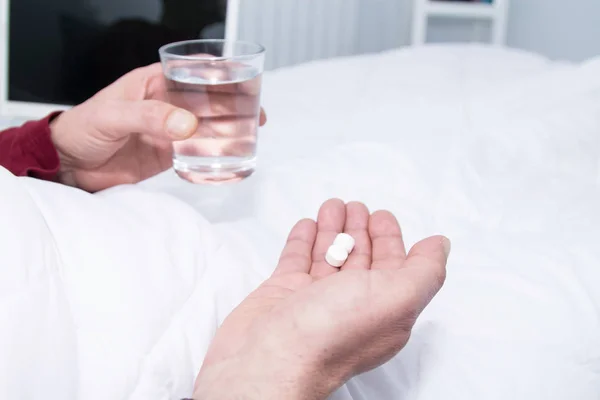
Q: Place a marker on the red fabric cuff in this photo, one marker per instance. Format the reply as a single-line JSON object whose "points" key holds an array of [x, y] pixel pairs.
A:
{"points": [[28, 150]]}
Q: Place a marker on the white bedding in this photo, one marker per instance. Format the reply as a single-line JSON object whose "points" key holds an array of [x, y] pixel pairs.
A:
{"points": [[117, 295]]}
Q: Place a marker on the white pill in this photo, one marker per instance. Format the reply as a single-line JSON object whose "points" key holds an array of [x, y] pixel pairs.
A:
{"points": [[336, 256], [346, 241]]}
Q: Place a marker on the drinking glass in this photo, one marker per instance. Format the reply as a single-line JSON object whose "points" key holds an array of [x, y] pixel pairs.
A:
{"points": [[220, 82]]}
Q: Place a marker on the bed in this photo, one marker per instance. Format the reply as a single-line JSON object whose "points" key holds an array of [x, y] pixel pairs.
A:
{"points": [[117, 295]]}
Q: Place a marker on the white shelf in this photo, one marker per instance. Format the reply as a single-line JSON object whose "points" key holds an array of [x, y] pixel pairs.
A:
{"points": [[496, 13], [460, 10]]}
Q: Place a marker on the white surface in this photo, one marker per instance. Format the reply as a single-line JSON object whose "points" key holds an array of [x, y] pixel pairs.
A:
{"points": [[116, 296], [496, 12]]}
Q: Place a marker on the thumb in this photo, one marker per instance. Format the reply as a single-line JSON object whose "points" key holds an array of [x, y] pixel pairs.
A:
{"points": [[425, 268], [150, 117]]}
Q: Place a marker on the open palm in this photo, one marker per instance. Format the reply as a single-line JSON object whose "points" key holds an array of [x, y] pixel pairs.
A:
{"points": [[351, 319]]}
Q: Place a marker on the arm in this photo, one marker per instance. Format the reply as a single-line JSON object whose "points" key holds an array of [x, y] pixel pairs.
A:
{"points": [[311, 327], [28, 150], [122, 135]]}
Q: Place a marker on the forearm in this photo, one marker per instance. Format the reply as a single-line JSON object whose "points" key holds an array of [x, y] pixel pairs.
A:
{"points": [[28, 150], [243, 386], [260, 381]]}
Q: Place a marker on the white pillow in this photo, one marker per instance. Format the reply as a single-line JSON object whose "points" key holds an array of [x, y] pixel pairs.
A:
{"points": [[107, 296]]}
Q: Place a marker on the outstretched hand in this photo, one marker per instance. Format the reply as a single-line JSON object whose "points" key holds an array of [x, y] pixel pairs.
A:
{"points": [[311, 326]]}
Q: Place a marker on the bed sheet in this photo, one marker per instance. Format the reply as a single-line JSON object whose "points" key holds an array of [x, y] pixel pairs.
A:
{"points": [[497, 149]]}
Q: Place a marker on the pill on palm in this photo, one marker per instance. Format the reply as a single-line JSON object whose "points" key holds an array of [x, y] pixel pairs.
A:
{"points": [[346, 241], [336, 256]]}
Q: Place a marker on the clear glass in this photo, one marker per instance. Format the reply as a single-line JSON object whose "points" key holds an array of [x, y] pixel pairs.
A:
{"points": [[220, 82]]}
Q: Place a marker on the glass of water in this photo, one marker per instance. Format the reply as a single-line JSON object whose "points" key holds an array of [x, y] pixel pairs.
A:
{"points": [[220, 82]]}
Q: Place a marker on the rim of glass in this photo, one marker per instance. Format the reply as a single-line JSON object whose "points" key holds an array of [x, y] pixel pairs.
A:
{"points": [[164, 50]]}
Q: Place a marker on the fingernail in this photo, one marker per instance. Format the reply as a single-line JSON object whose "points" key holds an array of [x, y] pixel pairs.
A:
{"points": [[181, 124], [447, 246]]}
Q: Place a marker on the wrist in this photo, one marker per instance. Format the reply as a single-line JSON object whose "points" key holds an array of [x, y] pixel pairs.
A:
{"points": [[229, 383], [57, 135], [261, 379]]}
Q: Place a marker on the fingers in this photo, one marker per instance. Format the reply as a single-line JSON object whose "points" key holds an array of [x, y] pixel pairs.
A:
{"points": [[205, 103], [330, 222], [425, 269], [263, 117], [165, 121], [139, 84], [388, 246], [357, 225], [118, 119], [226, 127], [143, 105], [145, 77], [297, 253]]}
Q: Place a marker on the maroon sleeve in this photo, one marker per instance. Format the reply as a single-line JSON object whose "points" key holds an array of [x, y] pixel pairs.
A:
{"points": [[28, 150]]}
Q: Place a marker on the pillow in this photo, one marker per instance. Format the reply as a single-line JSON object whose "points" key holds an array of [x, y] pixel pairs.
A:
{"points": [[99, 294]]}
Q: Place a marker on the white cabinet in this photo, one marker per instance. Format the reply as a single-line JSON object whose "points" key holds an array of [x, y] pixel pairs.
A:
{"points": [[495, 12]]}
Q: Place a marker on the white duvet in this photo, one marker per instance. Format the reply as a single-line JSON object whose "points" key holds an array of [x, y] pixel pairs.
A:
{"points": [[117, 295]]}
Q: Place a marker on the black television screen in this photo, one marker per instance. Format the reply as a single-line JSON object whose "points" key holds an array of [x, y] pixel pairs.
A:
{"points": [[64, 51]]}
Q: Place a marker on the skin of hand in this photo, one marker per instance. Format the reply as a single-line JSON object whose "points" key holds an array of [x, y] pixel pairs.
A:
{"points": [[124, 133], [310, 327]]}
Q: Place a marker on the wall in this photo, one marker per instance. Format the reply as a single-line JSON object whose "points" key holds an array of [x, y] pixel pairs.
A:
{"points": [[383, 24], [566, 29], [557, 28], [563, 29], [296, 31]]}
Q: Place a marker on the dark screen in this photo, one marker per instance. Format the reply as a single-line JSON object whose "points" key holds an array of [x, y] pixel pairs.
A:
{"points": [[64, 51]]}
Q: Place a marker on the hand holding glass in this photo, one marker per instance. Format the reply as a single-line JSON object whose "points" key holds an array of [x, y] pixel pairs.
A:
{"points": [[220, 82]]}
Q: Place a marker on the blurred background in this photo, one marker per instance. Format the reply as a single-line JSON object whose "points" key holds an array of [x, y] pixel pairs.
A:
{"points": [[63, 51]]}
